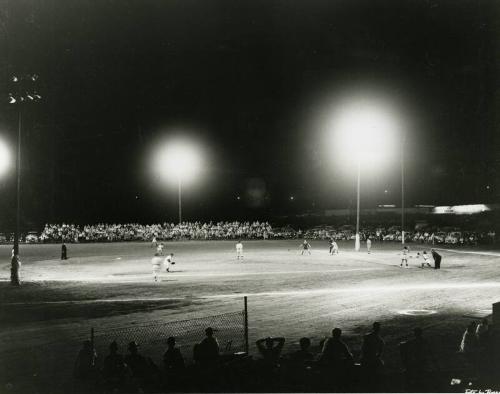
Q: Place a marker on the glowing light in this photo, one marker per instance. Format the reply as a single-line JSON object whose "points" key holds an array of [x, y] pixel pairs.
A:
{"points": [[178, 160], [417, 312], [4, 158], [461, 209], [364, 129]]}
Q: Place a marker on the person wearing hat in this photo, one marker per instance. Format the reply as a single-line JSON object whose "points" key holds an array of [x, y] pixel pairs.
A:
{"points": [[64, 252], [138, 365], [209, 347], [437, 259], [172, 358], [114, 369], [174, 365], [85, 364]]}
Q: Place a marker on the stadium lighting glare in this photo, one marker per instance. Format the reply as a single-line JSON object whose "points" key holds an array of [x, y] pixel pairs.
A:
{"points": [[364, 129], [178, 161], [4, 157]]}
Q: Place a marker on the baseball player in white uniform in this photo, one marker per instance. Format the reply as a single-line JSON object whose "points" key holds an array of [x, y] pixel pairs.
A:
{"points": [[156, 261], [335, 248], [404, 256], [239, 250], [427, 260], [168, 262]]}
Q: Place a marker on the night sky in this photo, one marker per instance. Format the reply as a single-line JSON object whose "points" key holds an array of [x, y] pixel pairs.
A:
{"points": [[247, 80]]}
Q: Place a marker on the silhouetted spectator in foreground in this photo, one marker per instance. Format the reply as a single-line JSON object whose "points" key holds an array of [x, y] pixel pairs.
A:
{"points": [[371, 360], [174, 365], [469, 345], [303, 356], [85, 367], [64, 252], [208, 349], [418, 362], [206, 355], [172, 359], [483, 333], [300, 364], [338, 360], [270, 349], [141, 368], [114, 372]]}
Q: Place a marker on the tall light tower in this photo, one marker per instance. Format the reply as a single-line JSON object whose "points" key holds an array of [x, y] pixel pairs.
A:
{"points": [[364, 131], [178, 161], [403, 190], [25, 93]]}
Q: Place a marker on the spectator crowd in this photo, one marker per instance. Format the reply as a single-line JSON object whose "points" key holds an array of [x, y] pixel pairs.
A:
{"points": [[165, 231], [249, 230], [331, 368]]}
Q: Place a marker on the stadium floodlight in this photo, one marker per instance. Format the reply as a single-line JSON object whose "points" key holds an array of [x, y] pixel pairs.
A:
{"points": [[178, 161], [4, 157], [364, 131]]}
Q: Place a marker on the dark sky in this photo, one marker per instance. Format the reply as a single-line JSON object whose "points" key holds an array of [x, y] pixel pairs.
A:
{"points": [[246, 79]]}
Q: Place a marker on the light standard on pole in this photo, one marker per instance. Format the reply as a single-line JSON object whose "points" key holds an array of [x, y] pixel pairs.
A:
{"points": [[363, 131], [178, 161], [25, 93], [180, 199], [357, 243], [403, 191]]}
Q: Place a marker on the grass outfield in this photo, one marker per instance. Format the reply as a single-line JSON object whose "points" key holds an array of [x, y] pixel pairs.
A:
{"points": [[111, 285]]}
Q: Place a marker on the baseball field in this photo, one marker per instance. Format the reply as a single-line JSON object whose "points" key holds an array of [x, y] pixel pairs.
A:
{"points": [[109, 287]]}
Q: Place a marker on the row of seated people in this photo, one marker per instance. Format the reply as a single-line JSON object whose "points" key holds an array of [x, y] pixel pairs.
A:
{"points": [[333, 369], [140, 232], [246, 230]]}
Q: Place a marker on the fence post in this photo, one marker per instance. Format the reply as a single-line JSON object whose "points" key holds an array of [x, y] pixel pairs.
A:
{"points": [[246, 324]]}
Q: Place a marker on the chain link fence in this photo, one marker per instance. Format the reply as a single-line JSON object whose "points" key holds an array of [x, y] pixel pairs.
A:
{"points": [[48, 367], [229, 329]]}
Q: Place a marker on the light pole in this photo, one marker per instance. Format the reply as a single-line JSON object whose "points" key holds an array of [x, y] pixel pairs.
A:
{"points": [[25, 93], [363, 130], [180, 199], [357, 244], [177, 161], [402, 191]]}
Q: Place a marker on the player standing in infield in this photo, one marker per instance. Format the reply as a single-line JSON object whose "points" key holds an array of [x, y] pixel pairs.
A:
{"points": [[404, 256], [156, 261], [306, 247], [334, 248], [239, 250]]}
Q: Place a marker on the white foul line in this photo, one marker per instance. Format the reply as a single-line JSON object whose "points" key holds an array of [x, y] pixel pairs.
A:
{"points": [[431, 286], [436, 286], [495, 254]]}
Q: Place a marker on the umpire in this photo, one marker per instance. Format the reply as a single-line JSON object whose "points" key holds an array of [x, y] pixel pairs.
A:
{"points": [[437, 259], [64, 252]]}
